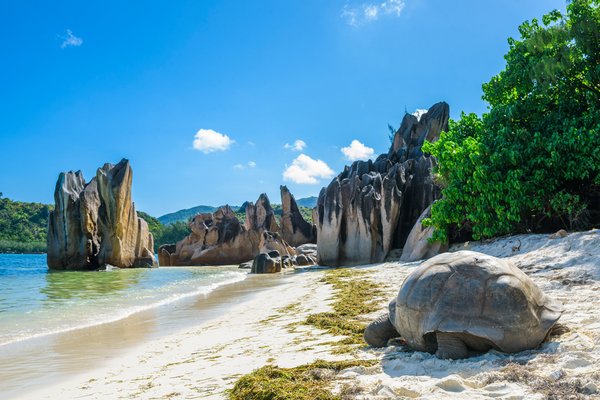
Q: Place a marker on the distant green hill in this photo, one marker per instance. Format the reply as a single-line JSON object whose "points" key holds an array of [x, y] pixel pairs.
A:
{"points": [[184, 215], [23, 226], [165, 234], [310, 202]]}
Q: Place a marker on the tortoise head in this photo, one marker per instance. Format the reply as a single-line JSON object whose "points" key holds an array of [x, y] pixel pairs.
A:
{"points": [[378, 332]]}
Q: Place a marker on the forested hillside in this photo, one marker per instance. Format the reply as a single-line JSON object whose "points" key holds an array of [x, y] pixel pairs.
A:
{"points": [[165, 234], [305, 205], [23, 226], [185, 215]]}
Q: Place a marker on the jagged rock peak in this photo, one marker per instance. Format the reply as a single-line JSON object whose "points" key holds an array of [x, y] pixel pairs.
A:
{"points": [[260, 215], [413, 131], [95, 224], [370, 207], [294, 228], [220, 239]]}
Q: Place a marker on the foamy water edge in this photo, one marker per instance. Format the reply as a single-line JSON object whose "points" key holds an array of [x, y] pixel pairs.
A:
{"points": [[175, 297]]}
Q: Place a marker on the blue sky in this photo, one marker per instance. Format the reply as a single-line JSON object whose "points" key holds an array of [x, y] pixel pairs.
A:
{"points": [[203, 96]]}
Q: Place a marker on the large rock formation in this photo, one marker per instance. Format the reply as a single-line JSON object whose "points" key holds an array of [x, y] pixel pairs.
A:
{"points": [[260, 216], [217, 238], [95, 224], [371, 207], [220, 238], [294, 229], [418, 245]]}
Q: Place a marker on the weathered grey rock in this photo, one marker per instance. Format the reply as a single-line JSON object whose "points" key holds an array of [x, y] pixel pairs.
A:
{"points": [[417, 246], [267, 263], [294, 229], [303, 260], [287, 261], [220, 239], [394, 255], [308, 249], [260, 215], [272, 241], [164, 254], [467, 301], [216, 239], [95, 224], [371, 206]]}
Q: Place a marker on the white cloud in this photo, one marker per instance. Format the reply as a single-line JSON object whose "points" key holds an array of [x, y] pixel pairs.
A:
{"points": [[419, 113], [357, 151], [392, 7], [350, 14], [368, 12], [305, 170], [70, 40], [298, 145], [241, 167], [251, 143], [207, 141]]}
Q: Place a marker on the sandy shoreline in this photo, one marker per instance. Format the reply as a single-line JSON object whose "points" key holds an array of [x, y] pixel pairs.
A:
{"points": [[42, 361], [204, 360]]}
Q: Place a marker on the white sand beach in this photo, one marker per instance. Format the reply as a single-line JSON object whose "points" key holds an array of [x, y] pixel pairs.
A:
{"points": [[205, 360], [567, 269]]}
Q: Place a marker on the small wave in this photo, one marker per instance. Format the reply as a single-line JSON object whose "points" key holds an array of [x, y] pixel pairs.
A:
{"points": [[204, 290]]}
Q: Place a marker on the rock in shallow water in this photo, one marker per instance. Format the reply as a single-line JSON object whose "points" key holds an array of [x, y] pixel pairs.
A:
{"points": [[96, 224]]}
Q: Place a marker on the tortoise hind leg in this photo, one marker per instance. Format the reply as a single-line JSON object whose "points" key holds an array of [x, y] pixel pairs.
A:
{"points": [[450, 345], [378, 332]]}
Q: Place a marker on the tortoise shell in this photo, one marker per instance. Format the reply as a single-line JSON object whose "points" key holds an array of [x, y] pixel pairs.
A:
{"points": [[470, 292]]}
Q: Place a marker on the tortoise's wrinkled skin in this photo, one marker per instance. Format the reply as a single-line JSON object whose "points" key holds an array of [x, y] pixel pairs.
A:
{"points": [[462, 302]]}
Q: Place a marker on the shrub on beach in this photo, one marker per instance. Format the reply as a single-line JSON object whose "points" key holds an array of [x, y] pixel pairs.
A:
{"points": [[532, 163]]}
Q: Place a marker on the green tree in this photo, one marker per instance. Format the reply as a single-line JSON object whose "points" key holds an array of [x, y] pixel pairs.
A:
{"points": [[533, 161], [165, 234], [23, 226]]}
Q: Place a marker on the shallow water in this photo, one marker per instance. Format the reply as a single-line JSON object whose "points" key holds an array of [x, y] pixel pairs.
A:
{"points": [[35, 301]]}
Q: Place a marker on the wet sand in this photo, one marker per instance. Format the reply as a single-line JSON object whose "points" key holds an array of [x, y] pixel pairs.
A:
{"points": [[261, 324], [36, 363]]}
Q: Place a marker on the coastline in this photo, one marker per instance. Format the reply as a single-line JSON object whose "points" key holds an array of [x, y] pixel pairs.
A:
{"points": [[57, 357], [267, 327], [206, 358]]}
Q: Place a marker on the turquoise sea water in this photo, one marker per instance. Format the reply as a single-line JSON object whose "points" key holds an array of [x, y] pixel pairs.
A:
{"points": [[35, 302]]}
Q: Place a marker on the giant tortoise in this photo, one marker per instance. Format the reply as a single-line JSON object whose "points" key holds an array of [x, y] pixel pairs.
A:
{"points": [[462, 302]]}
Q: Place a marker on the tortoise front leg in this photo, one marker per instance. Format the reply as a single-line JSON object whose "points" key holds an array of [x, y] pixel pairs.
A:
{"points": [[450, 345], [378, 332]]}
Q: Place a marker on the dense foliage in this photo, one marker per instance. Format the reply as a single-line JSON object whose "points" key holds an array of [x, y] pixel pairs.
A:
{"points": [[532, 163], [22, 226]]}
